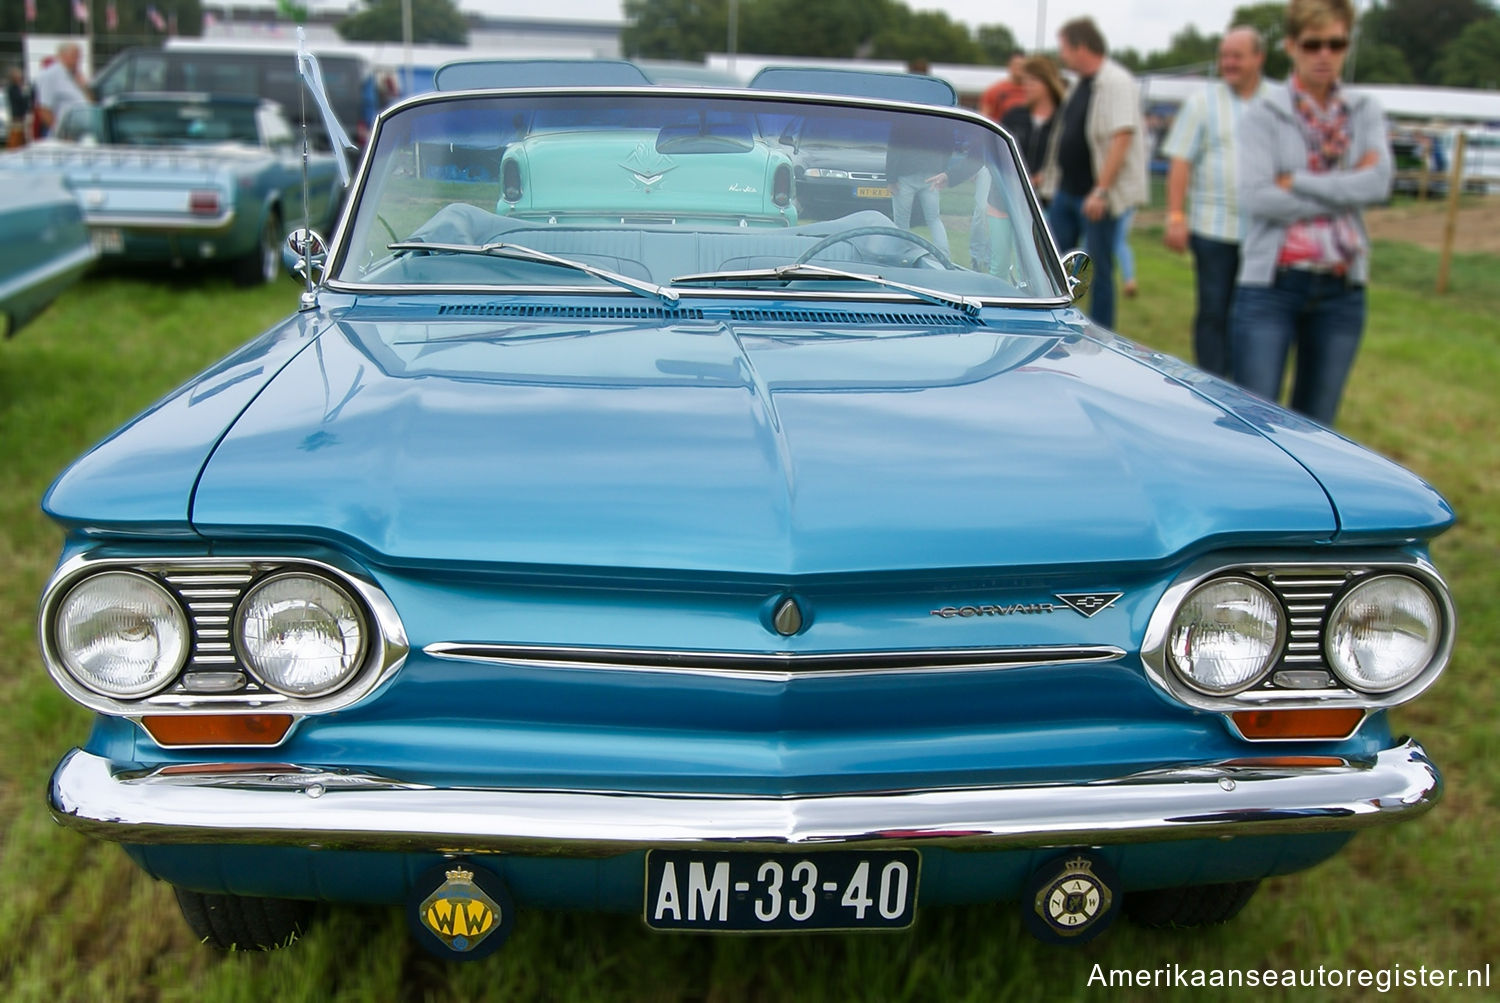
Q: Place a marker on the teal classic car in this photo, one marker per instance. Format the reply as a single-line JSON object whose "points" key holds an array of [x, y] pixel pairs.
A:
{"points": [[739, 573], [46, 246], [188, 179]]}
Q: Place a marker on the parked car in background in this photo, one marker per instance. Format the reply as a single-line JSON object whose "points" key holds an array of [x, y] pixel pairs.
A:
{"points": [[188, 178], [741, 577], [46, 246], [269, 73]]}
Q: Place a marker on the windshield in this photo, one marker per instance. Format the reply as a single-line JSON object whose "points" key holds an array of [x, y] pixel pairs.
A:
{"points": [[715, 191], [168, 123]]}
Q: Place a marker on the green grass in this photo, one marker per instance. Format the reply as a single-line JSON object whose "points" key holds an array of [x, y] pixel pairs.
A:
{"points": [[81, 922]]}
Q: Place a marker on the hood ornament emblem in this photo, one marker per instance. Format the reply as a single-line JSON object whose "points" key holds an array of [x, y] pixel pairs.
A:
{"points": [[788, 617], [1089, 603]]}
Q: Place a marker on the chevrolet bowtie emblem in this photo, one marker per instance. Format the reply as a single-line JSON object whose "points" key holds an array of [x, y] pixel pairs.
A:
{"points": [[1089, 603]]}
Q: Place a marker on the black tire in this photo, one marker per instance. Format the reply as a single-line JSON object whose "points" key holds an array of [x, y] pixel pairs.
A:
{"points": [[1189, 906], [241, 923], [263, 264]]}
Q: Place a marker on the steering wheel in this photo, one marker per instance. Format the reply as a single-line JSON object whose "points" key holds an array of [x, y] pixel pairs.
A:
{"points": [[929, 249]]}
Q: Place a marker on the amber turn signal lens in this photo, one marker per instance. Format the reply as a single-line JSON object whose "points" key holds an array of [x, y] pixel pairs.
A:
{"points": [[1315, 722], [217, 729]]}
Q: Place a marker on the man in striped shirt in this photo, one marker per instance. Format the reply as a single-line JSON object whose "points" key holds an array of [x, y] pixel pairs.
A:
{"points": [[1202, 150]]}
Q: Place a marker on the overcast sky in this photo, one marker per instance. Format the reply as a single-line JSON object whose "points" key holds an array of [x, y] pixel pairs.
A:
{"points": [[1144, 25]]}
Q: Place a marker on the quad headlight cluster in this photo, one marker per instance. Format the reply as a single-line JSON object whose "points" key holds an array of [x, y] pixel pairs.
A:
{"points": [[1382, 632], [127, 634]]}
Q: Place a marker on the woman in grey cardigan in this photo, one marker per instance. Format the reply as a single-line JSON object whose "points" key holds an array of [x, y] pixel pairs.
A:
{"points": [[1311, 157]]}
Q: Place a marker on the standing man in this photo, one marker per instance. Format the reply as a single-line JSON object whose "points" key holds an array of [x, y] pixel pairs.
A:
{"points": [[19, 103], [1100, 150], [59, 87], [1202, 150]]}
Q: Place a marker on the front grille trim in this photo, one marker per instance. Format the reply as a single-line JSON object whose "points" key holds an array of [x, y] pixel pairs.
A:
{"points": [[773, 666]]}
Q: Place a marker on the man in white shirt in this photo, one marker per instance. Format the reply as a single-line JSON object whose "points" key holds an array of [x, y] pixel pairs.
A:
{"points": [[1203, 172], [59, 86]]}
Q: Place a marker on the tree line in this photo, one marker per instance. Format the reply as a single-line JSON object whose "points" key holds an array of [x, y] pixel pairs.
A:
{"points": [[1454, 43]]}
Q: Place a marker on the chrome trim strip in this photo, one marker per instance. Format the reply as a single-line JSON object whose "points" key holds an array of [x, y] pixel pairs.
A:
{"points": [[386, 652], [778, 667], [1354, 563], [169, 222], [303, 806]]}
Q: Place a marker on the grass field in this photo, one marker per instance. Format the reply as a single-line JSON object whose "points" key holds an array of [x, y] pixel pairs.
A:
{"points": [[81, 923]]}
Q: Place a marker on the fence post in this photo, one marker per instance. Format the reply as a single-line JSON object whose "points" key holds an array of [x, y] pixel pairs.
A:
{"points": [[1455, 189]]}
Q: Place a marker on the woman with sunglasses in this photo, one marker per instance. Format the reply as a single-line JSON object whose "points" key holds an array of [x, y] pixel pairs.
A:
{"points": [[1311, 156]]}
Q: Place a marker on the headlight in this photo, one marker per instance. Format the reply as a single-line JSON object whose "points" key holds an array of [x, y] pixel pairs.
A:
{"points": [[1383, 633], [300, 634], [121, 634], [826, 172], [1225, 635]]}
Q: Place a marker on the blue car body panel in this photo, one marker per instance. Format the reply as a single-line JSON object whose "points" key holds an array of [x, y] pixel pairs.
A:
{"points": [[737, 455], [46, 246]]}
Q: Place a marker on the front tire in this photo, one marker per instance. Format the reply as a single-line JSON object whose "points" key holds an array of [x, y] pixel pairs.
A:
{"points": [[262, 265], [1189, 906], [242, 923]]}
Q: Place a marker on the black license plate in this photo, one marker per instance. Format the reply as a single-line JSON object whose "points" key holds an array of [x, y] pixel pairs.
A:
{"points": [[827, 890]]}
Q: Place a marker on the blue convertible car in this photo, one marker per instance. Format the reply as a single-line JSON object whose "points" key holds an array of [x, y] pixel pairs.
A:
{"points": [[739, 577]]}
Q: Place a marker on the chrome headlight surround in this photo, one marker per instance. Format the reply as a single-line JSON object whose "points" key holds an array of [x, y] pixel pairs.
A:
{"points": [[1353, 567], [1354, 675], [323, 597], [153, 613], [385, 647]]}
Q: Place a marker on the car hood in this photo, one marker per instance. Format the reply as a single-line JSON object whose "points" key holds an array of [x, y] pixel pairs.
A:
{"points": [[740, 446]]}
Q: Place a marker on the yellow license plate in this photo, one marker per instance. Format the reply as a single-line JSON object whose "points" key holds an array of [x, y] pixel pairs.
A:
{"points": [[872, 193]]}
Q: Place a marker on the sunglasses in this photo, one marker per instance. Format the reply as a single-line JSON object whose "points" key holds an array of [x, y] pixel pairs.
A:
{"points": [[1312, 45]]}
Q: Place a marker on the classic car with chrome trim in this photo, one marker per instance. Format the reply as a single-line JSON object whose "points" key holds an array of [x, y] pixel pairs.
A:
{"points": [[188, 178], [739, 577]]}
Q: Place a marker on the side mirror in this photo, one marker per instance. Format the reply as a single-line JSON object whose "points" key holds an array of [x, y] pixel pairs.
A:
{"points": [[1080, 271], [304, 245]]}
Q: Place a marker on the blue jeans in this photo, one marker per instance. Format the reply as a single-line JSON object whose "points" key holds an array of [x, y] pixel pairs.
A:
{"points": [[1123, 254], [1070, 229], [1324, 315], [1216, 264]]}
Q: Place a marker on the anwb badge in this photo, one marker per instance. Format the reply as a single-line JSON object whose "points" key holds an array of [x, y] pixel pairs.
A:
{"points": [[460, 912]]}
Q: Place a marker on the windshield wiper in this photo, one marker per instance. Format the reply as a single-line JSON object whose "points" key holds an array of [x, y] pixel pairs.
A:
{"points": [[968, 305], [519, 252]]}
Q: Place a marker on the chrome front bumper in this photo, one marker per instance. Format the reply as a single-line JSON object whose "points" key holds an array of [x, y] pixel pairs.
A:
{"points": [[294, 806]]}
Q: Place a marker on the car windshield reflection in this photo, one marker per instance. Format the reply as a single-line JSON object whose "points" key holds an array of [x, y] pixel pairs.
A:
{"points": [[652, 186]]}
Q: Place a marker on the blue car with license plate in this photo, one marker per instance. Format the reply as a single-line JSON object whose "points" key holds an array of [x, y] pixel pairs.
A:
{"points": [[187, 179], [740, 577]]}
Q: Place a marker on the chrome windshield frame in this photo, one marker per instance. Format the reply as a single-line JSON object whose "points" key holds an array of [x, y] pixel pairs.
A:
{"points": [[339, 244]]}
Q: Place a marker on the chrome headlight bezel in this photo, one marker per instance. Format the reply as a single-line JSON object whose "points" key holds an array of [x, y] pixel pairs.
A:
{"points": [[386, 644], [1349, 568], [1346, 676], [158, 679], [249, 660], [1278, 629]]}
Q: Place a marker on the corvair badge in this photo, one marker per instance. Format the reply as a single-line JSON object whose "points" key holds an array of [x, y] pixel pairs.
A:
{"points": [[647, 166], [1085, 603]]}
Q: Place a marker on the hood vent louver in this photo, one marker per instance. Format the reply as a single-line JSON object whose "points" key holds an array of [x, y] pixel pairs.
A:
{"points": [[744, 315], [860, 318], [543, 310]]}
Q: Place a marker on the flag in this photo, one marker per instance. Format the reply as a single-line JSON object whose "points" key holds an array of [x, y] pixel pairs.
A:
{"points": [[111, 16], [30, 11], [80, 11], [157, 21]]}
